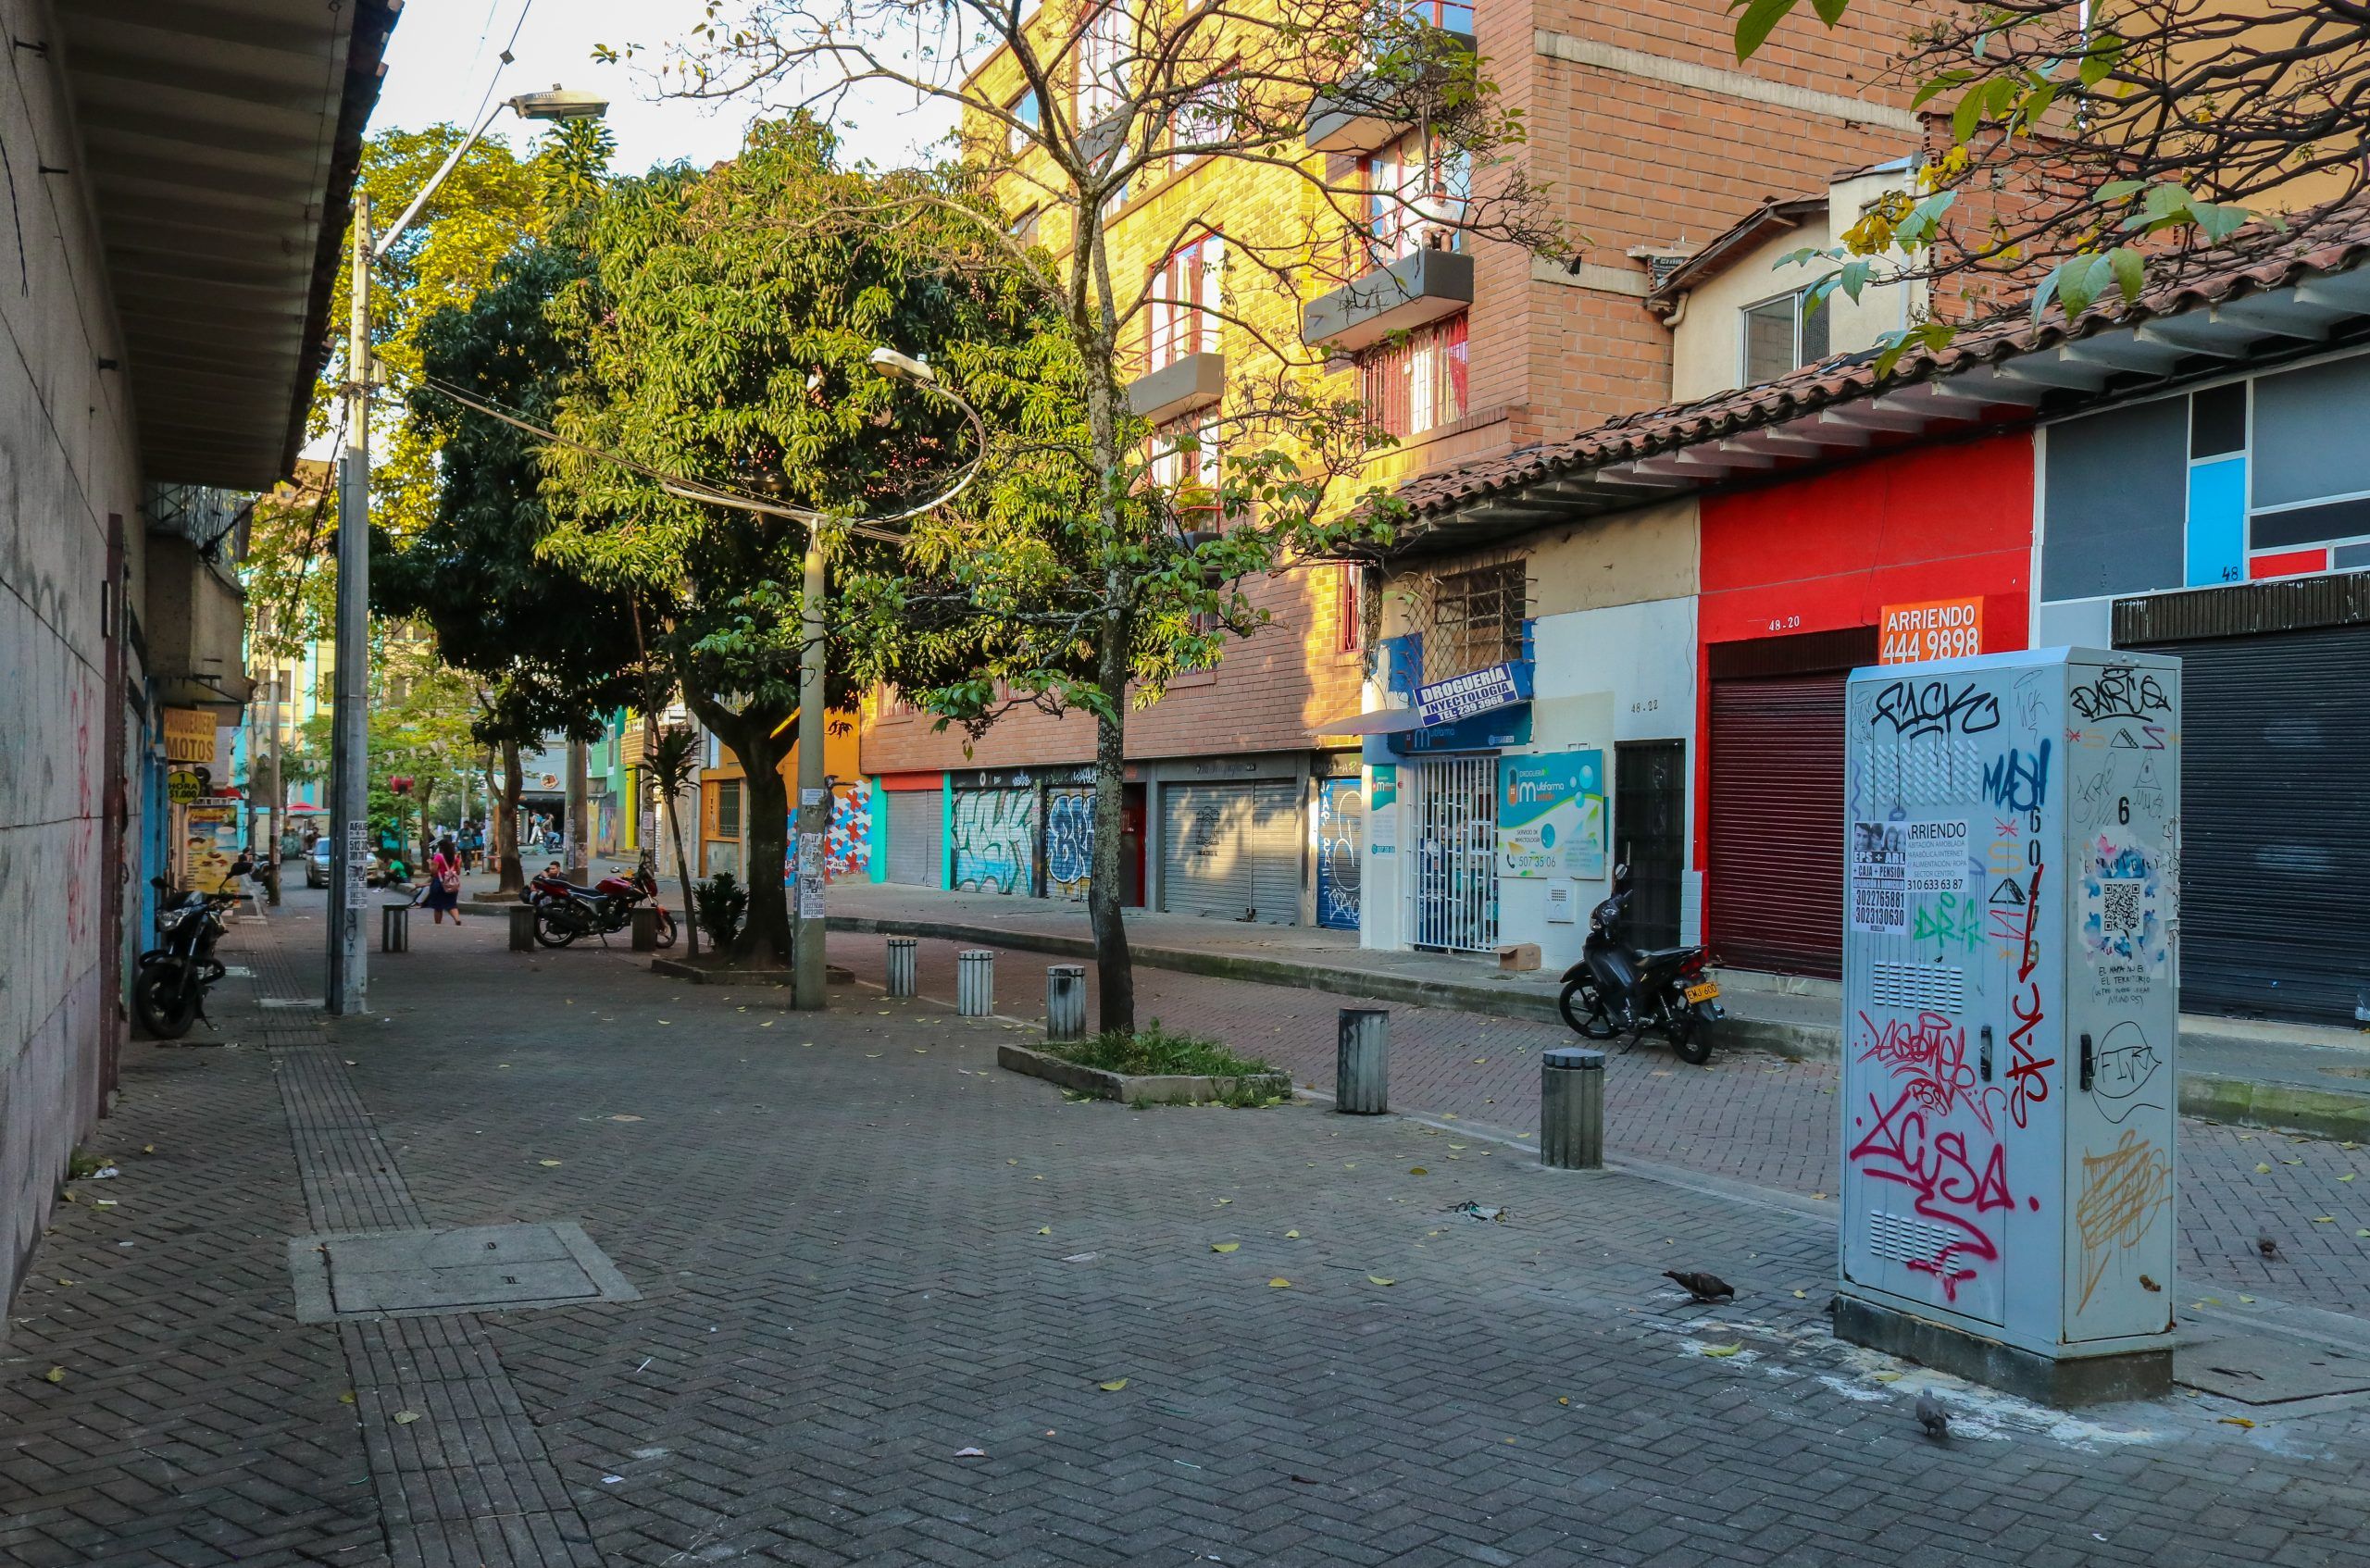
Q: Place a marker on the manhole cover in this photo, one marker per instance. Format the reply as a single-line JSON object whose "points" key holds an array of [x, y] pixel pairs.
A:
{"points": [[420, 1272], [2269, 1372]]}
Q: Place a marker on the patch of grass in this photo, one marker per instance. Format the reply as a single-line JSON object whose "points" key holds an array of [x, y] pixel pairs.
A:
{"points": [[1155, 1052]]}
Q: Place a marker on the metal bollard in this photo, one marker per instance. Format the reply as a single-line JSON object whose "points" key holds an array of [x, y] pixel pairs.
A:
{"points": [[394, 927], [975, 982], [522, 928], [1064, 1002], [1571, 1109], [645, 929], [901, 966], [1362, 1066]]}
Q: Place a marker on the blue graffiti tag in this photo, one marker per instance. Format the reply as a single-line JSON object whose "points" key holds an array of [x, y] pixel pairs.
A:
{"points": [[2018, 781]]}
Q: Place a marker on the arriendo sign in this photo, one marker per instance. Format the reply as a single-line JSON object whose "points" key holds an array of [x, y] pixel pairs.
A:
{"points": [[1936, 628]]}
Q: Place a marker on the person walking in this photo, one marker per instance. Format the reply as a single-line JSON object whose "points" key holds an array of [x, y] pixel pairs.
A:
{"points": [[445, 883]]}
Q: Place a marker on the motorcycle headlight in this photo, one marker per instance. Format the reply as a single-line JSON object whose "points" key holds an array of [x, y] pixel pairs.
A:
{"points": [[169, 920]]}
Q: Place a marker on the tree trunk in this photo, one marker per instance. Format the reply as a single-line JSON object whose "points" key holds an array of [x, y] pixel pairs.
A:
{"points": [[767, 933], [1115, 965], [426, 788], [506, 827], [682, 870]]}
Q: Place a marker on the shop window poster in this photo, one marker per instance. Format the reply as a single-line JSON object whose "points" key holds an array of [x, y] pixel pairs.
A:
{"points": [[1551, 815]]}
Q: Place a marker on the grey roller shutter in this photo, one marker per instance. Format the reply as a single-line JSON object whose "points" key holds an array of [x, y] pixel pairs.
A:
{"points": [[2276, 824], [1273, 833], [917, 841], [1202, 866]]}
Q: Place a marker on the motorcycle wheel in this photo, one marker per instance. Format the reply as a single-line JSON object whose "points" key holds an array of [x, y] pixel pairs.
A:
{"points": [[665, 927], [1687, 1042], [1584, 1010], [552, 929], [165, 1007]]}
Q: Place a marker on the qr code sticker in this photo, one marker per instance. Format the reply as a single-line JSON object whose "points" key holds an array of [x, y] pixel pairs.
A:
{"points": [[2119, 914]]}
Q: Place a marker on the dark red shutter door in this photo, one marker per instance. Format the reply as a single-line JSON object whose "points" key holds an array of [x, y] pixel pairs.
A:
{"points": [[1775, 888]]}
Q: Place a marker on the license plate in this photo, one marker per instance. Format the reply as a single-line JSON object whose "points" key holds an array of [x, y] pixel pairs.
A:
{"points": [[1705, 991]]}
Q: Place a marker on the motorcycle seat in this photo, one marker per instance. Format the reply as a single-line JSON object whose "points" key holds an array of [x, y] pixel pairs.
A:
{"points": [[1666, 954]]}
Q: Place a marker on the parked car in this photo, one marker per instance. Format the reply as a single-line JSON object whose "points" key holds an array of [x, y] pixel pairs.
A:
{"points": [[317, 864]]}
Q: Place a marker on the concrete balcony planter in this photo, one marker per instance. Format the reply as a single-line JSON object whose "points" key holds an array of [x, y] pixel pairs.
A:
{"points": [[1196, 381], [1413, 292], [1362, 113]]}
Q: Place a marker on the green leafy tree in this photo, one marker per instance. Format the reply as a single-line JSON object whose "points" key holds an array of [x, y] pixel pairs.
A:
{"points": [[2093, 151], [727, 327]]}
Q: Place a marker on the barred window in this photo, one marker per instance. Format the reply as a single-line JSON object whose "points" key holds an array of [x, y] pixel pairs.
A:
{"points": [[1476, 619], [1419, 384]]}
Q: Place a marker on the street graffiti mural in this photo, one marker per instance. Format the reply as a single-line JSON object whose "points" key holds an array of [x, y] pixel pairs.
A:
{"points": [[1069, 842], [847, 847], [995, 840], [1340, 850]]}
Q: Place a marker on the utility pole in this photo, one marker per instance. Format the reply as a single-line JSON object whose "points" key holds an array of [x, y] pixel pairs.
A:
{"points": [[278, 781], [579, 789], [348, 990], [814, 798]]}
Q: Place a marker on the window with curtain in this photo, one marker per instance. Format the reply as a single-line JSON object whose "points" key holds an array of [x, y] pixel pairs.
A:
{"points": [[1419, 384], [1415, 196], [1186, 294]]}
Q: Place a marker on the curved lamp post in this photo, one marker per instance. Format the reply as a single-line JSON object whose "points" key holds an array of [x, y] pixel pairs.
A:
{"points": [[347, 991], [813, 795]]}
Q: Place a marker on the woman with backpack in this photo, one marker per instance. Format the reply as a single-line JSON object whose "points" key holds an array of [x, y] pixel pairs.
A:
{"points": [[444, 882]]}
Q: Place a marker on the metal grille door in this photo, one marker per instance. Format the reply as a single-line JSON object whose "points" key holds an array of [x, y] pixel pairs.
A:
{"points": [[1455, 886]]}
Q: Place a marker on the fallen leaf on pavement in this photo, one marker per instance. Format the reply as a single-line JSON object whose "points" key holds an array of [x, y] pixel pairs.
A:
{"points": [[55, 1375], [63, 1280], [1418, 1170], [1081, 1257], [1114, 1385], [1563, 1400], [2347, 1176], [1291, 1235], [1478, 1060], [1044, 1230], [2237, 1421], [406, 1417], [1225, 1200], [1723, 1350], [1280, 1283], [1303, 1480], [547, 1163], [1224, 1245], [1802, 1296], [1378, 1280], [1886, 1376], [970, 1453], [346, 1398], [2325, 1219], [625, 1118], [2261, 1169]]}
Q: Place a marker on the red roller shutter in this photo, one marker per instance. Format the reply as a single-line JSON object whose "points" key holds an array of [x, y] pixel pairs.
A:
{"points": [[1775, 883]]}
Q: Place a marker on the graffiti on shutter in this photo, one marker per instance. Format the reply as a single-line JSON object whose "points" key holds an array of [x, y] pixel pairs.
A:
{"points": [[1069, 842], [995, 836], [1340, 849]]}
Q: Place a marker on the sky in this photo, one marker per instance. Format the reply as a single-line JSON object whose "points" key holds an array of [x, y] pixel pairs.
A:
{"points": [[445, 54]]}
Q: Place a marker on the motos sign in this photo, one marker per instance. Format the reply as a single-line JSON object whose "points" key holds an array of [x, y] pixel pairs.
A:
{"points": [[1938, 628]]}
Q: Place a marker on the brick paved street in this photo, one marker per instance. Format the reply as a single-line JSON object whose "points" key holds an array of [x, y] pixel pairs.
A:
{"points": [[861, 1250]]}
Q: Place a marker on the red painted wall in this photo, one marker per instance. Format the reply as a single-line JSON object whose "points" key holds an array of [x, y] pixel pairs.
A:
{"points": [[1829, 551]]}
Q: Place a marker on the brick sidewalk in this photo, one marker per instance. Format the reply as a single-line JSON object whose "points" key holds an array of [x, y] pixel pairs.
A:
{"points": [[1748, 1117], [862, 1250]]}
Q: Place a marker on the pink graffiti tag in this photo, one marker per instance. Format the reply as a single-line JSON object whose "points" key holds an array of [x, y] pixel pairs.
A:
{"points": [[1931, 1055], [1951, 1190]]}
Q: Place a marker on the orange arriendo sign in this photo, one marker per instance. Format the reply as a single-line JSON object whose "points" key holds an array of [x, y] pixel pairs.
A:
{"points": [[1938, 628]]}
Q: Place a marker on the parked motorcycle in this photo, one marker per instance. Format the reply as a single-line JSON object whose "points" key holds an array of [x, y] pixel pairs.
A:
{"points": [[169, 988], [564, 910], [1617, 990]]}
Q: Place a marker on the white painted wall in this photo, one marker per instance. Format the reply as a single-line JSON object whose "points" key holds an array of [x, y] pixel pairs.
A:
{"points": [[65, 462]]}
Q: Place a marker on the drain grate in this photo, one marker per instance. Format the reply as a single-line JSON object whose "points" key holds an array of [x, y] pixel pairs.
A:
{"points": [[420, 1273]]}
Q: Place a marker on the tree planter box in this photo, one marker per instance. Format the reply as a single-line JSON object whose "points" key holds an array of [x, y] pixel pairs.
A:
{"points": [[706, 973], [1150, 1090]]}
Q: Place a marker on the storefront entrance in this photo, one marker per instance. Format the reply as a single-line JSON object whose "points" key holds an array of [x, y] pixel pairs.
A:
{"points": [[1454, 818]]}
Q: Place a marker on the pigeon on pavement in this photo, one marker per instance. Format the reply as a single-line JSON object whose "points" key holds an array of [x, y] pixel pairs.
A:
{"points": [[1705, 1287], [1932, 1416], [2268, 1247]]}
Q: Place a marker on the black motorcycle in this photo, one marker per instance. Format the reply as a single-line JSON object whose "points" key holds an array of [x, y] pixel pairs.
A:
{"points": [[1615, 989], [168, 991]]}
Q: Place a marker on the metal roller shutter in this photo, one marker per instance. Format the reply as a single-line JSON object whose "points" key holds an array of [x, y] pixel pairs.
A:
{"points": [[995, 841], [2275, 823], [1273, 836], [916, 845], [1775, 883], [1202, 869]]}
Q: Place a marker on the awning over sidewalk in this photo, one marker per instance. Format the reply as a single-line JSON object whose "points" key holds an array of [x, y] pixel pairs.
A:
{"points": [[1382, 721]]}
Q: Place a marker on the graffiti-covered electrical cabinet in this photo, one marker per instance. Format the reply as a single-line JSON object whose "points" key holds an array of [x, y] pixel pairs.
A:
{"points": [[2011, 919]]}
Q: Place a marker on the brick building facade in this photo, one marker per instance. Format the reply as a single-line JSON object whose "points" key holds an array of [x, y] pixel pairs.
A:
{"points": [[1650, 139]]}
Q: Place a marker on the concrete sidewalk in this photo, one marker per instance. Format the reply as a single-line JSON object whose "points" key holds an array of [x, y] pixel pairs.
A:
{"points": [[2253, 1073]]}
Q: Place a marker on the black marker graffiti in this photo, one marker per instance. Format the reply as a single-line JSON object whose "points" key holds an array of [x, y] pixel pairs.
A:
{"points": [[1933, 709], [2119, 693]]}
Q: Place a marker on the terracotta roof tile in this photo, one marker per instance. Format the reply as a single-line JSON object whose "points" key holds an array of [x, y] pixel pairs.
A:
{"points": [[2335, 240]]}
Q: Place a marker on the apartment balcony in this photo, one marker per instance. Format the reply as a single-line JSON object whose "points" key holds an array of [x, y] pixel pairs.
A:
{"points": [[1419, 288], [1186, 385], [1365, 112]]}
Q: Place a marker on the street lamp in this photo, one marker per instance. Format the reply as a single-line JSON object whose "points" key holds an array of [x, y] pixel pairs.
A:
{"points": [[347, 991], [813, 792]]}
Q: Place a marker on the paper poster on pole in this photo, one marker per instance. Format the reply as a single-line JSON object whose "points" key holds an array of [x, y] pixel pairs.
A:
{"points": [[1551, 815]]}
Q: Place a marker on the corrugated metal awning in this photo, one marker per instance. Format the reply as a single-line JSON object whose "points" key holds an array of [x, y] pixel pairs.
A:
{"points": [[1382, 721]]}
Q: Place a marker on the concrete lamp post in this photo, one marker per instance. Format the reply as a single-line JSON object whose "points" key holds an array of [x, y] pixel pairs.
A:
{"points": [[347, 988], [813, 818]]}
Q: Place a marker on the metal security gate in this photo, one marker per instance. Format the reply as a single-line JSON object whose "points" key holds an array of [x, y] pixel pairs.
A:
{"points": [[917, 837], [1231, 851], [1454, 891], [1776, 866], [995, 841], [2274, 828]]}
